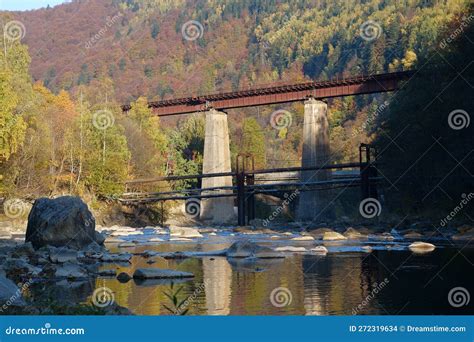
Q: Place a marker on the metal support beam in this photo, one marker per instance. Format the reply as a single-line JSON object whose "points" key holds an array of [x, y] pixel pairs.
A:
{"points": [[281, 94]]}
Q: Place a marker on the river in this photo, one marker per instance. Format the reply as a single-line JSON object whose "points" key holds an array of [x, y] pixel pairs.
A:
{"points": [[389, 280]]}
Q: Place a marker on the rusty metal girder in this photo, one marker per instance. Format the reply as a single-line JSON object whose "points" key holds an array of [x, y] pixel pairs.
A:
{"points": [[280, 94]]}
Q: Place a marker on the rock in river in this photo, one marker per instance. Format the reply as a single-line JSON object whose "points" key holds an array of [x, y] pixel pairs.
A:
{"points": [[248, 249], [158, 273], [61, 256], [184, 232], [63, 221], [124, 257], [291, 249], [303, 238], [412, 235], [331, 236], [70, 271], [123, 277], [354, 234], [107, 273], [421, 247], [320, 250]]}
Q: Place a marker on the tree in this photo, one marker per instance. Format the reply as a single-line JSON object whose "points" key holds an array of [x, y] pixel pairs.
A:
{"points": [[12, 126], [145, 130], [155, 29], [426, 138], [253, 142]]}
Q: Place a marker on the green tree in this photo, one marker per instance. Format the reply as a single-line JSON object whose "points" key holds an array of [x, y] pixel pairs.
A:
{"points": [[155, 29], [253, 142], [145, 130], [12, 126]]}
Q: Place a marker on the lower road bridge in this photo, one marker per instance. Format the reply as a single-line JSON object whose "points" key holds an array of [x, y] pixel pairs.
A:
{"points": [[217, 203]]}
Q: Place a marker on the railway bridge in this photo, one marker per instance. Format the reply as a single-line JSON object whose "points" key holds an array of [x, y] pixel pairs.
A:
{"points": [[221, 185]]}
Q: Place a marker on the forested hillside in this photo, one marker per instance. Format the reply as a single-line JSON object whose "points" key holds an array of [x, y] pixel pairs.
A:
{"points": [[63, 80], [141, 48]]}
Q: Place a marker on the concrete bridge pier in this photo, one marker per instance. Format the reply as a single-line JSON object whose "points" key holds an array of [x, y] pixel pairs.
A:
{"points": [[314, 205], [217, 160]]}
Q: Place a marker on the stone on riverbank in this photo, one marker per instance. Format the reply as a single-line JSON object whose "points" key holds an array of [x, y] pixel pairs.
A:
{"points": [[319, 250], [184, 232], [63, 256], [123, 277], [23, 250], [248, 249], [421, 247], [127, 245], [63, 221], [158, 273], [319, 233], [333, 236], [10, 294], [303, 238], [383, 236], [70, 271], [124, 257], [292, 249], [180, 239], [107, 273], [353, 234], [110, 239], [15, 267]]}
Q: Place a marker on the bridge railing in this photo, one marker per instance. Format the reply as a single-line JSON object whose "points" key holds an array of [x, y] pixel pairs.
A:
{"points": [[246, 187]]}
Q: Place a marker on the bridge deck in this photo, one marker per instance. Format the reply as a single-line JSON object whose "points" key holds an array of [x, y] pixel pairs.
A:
{"points": [[281, 94]]}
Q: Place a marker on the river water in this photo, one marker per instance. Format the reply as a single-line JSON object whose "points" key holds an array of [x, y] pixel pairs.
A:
{"points": [[389, 280]]}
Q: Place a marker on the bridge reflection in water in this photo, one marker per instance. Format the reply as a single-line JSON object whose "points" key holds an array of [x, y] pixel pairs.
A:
{"points": [[332, 285]]}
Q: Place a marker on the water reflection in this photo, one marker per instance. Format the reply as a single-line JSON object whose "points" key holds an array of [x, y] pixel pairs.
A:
{"points": [[336, 284], [218, 285]]}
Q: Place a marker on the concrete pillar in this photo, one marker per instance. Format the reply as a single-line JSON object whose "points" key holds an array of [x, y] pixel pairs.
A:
{"points": [[314, 205], [217, 160]]}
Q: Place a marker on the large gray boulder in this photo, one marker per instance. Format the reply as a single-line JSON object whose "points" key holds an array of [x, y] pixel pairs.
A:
{"points": [[63, 221], [248, 249]]}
